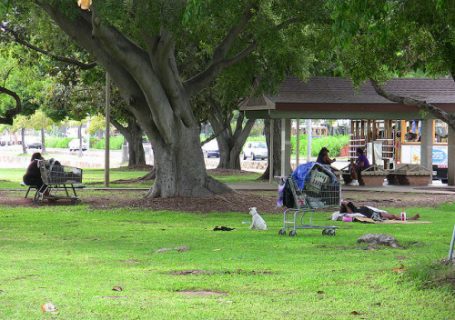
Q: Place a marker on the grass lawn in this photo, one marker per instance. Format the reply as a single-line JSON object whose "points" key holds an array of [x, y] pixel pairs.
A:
{"points": [[73, 256], [11, 178]]}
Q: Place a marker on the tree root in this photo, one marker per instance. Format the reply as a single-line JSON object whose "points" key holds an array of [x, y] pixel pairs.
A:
{"points": [[149, 176]]}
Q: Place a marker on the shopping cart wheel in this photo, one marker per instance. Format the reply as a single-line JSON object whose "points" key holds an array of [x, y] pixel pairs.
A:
{"points": [[292, 233], [282, 232], [75, 201], [328, 232]]}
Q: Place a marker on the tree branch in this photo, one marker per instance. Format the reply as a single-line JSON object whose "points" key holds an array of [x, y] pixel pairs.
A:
{"points": [[17, 38], [161, 52], [80, 29], [422, 105], [213, 136], [136, 62], [199, 81], [9, 115], [122, 129], [219, 60]]}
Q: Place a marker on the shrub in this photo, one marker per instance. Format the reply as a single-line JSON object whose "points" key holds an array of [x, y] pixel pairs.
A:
{"points": [[333, 143], [57, 142], [115, 143]]}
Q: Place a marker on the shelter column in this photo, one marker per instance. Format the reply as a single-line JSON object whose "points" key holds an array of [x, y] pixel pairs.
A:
{"points": [[426, 145], [285, 147], [272, 130], [451, 157]]}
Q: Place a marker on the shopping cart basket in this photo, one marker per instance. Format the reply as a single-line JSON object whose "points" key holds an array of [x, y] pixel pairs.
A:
{"points": [[317, 190], [58, 182]]}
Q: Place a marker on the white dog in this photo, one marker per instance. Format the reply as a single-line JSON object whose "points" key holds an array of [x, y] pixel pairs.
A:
{"points": [[258, 223]]}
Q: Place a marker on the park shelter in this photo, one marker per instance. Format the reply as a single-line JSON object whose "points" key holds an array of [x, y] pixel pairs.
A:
{"points": [[338, 98]]}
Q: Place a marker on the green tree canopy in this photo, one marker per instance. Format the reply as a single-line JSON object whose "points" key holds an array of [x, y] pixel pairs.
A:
{"points": [[161, 54]]}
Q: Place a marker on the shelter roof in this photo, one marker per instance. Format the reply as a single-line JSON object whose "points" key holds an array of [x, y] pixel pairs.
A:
{"points": [[333, 95]]}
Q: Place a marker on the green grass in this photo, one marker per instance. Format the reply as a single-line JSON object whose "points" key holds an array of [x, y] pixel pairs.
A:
{"points": [[74, 256], [11, 178]]}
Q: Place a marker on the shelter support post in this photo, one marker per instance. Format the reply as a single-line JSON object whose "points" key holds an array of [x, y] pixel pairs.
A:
{"points": [[309, 135], [297, 144], [451, 157], [285, 147], [426, 145], [272, 124]]}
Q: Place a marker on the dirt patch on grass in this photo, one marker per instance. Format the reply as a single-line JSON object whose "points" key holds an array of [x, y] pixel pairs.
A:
{"points": [[396, 200], [227, 272], [190, 272], [238, 201], [202, 293], [229, 202]]}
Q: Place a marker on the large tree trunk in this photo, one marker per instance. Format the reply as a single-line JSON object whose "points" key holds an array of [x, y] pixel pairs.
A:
{"points": [[180, 167], [136, 153], [154, 92], [230, 142], [276, 148], [133, 135]]}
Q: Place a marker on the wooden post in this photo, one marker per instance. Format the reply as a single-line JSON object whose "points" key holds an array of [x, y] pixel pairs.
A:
{"points": [[297, 144], [375, 130], [426, 144], [403, 131], [107, 134], [271, 150], [369, 135], [309, 133], [362, 128]]}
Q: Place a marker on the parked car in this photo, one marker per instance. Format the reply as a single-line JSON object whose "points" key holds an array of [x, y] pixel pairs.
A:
{"points": [[255, 150], [210, 149], [35, 145], [74, 145]]}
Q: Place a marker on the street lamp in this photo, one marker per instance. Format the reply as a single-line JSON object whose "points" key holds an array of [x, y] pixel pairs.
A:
{"points": [[84, 4]]}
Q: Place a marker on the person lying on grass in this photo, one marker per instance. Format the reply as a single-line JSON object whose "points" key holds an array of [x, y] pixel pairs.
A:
{"points": [[370, 212]]}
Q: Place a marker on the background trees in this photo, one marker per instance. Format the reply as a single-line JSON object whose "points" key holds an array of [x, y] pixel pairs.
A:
{"points": [[144, 45], [378, 40]]}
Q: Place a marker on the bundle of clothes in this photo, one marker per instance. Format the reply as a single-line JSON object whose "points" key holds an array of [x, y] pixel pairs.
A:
{"points": [[348, 209]]}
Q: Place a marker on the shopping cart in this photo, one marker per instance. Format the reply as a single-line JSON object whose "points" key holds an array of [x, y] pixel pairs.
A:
{"points": [[58, 182], [317, 190]]}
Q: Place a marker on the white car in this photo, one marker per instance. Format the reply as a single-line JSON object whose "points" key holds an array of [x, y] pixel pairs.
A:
{"points": [[74, 145], [255, 150]]}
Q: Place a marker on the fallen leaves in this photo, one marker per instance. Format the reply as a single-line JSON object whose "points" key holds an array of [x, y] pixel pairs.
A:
{"points": [[48, 307], [399, 269]]}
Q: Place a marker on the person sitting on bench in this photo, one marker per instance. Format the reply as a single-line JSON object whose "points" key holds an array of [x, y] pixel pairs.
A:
{"points": [[32, 176], [323, 157], [356, 168]]}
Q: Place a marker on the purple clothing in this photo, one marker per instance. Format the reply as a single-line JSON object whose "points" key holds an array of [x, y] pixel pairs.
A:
{"points": [[362, 158]]}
